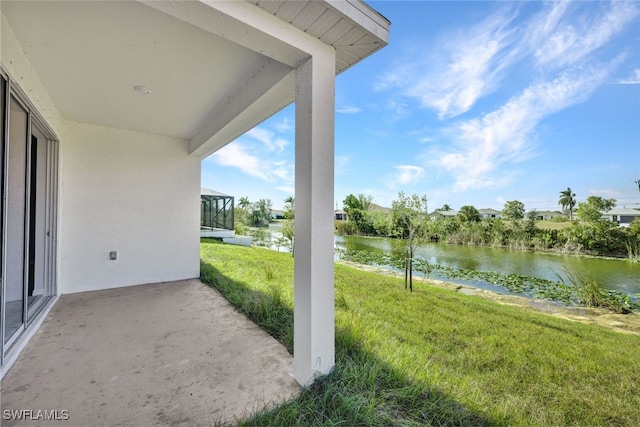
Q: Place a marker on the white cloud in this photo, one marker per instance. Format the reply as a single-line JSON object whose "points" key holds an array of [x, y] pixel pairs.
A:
{"points": [[395, 77], [348, 110], [268, 139], [501, 200], [281, 169], [503, 136], [560, 40], [284, 125], [463, 69], [237, 155], [398, 107], [405, 175], [465, 66], [633, 79]]}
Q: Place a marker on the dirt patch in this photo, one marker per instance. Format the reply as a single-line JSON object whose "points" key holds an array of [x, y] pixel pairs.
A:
{"points": [[625, 323]]}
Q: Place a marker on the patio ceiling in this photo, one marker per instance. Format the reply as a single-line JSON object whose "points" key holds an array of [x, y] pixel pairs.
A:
{"points": [[213, 74]]}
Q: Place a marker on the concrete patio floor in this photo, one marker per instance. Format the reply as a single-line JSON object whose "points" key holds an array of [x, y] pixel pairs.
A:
{"points": [[161, 354]]}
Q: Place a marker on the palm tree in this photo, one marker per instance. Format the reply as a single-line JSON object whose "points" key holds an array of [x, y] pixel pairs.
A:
{"points": [[568, 201], [289, 207], [244, 202]]}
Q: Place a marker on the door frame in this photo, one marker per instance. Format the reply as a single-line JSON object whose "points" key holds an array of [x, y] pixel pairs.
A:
{"points": [[38, 128]]}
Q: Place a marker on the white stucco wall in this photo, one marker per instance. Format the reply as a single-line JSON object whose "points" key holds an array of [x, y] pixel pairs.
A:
{"points": [[20, 69], [134, 193]]}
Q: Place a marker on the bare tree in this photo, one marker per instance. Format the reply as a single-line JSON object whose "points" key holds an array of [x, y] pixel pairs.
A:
{"points": [[410, 217]]}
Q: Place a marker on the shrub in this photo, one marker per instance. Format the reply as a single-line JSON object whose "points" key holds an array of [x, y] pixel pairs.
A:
{"points": [[590, 293]]}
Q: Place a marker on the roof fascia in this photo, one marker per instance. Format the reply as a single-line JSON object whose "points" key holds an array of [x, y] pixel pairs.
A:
{"points": [[363, 15], [246, 25]]}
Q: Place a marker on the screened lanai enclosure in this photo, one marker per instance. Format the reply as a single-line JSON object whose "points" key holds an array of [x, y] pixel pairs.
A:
{"points": [[216, 210]]}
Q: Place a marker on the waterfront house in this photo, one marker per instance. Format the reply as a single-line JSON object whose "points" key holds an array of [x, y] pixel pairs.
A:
{"points": [[443, 214], [546, 215], [489, 213], [622, 216], [276, 214]]}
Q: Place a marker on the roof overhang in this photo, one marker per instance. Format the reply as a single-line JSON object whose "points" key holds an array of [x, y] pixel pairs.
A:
{"points": [[215, 69]]}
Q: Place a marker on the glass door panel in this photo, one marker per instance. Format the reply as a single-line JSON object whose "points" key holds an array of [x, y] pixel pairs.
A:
{"points": [[38, 288], [16, 201], [3, 91]]}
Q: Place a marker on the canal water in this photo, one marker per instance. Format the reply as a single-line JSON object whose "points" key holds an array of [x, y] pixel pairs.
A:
{"points": [[621, 275], [616, 274]]}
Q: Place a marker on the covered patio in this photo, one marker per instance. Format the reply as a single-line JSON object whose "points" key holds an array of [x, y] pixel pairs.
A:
{"points": [[108, 109], [172, 353]]}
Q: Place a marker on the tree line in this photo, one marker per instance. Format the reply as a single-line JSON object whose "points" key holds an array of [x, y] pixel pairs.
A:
{"points": [[588, 234]]}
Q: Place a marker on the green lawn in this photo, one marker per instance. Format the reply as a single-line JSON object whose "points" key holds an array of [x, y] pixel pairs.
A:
{"points": [[552, 225], [435, 357]]}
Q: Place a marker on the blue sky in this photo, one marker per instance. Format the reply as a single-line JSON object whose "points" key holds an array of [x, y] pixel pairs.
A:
{"points": [[472, 103]]}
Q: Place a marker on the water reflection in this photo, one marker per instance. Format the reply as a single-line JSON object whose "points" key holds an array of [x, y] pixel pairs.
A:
{"points": [[270, 237], [621, 275]]}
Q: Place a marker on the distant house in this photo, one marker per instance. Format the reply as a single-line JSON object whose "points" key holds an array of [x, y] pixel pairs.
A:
{"points": [[216, 210], [623, 216], [339, 215], [443, 214], [276, 214], [489, 213], [546, 215]]}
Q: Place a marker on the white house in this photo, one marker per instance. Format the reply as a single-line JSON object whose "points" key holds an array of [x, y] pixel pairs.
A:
{"points": [[339, 215], [490, 213], [545, 215], [623, 216], [108, 109], [443, 214]]}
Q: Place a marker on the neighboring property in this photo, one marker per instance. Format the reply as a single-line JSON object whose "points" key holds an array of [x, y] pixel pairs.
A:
{"points": [[107, 110], [545, 215], [489, 213], [443, 214], [623, 216], [216, 210], [339, 215], [277, 214]]}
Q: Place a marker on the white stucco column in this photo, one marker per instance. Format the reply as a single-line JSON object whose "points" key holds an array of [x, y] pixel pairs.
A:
{"points": [[314, 335]]}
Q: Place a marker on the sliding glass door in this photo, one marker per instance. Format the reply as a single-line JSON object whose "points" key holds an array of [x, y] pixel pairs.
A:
{"points": [[29, 215]]}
